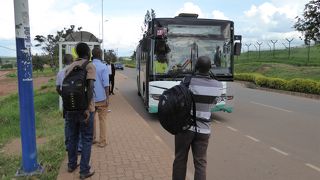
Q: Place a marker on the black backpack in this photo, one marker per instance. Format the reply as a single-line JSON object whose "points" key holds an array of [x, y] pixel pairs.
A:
{"points": [[174, 108], [74, 89]]}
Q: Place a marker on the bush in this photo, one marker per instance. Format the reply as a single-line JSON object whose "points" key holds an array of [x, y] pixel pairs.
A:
{"points": [[277, 83], [303, 85], [297, 84], [262, 81], [245, 77], [130, 65], [7, 66]]}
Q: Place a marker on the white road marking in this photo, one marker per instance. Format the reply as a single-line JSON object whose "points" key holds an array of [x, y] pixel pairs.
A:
{"points": [[232, 129], [273, 107], [252, 138], [279, 151], [313, 167]]}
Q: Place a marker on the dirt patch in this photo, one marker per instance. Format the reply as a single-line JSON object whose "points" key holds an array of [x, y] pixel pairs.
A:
{"points": [[9, 85], [14, 147]]}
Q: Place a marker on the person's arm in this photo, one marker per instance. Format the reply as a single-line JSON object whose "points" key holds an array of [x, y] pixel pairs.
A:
{"points": [[90, 86], [106, 89], [58, 89]]}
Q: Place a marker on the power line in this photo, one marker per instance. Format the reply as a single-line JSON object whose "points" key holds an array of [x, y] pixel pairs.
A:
{"points": [[7, 48]]}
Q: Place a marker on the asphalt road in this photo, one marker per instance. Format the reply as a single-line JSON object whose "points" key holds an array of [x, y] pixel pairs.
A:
{"points": [[269, 136]]}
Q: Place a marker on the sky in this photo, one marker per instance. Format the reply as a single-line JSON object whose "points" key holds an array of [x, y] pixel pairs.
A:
{"points": [[256, 20]]}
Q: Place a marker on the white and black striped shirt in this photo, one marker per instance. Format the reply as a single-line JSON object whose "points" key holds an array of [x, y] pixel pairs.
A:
{"points": [[205, 90]]}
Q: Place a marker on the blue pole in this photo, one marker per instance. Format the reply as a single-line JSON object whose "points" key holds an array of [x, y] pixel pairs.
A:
{"points": [[25, 83]]}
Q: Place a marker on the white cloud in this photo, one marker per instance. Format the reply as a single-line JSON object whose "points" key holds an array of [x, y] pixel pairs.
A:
{"points": [[122, 32], [7, 30], [219, 15], [189, 7]]}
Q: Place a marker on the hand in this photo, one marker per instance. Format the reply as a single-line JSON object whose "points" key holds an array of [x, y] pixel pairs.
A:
{"points": [[86, 116]]}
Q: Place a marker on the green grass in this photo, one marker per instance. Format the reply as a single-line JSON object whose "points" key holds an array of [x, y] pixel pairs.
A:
{"points": [[298, 57], [47, 72], [49, 125], [281, 66]]}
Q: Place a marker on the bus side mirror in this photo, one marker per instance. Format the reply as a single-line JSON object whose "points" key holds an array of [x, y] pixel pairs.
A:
{"points": [[146, 43], [237, 49]]}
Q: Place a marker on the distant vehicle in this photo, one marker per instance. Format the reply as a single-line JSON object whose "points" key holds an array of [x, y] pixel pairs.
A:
{"points": [[118, 66]]}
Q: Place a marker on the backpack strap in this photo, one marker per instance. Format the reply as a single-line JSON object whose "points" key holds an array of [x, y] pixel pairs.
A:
{"points": [[186, 81], [84, 65]]}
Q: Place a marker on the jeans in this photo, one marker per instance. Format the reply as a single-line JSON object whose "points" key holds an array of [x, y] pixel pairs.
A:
{"points": [[77, 125], [199, 144], [66, 136]]}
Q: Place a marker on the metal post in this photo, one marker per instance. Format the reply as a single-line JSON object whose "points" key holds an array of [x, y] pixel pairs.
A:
{"points": [[60, 68], [259, 44], [30, 165]]}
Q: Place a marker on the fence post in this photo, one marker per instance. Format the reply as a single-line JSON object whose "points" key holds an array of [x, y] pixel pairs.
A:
{"points": [[259, 44], [248, 46], [274, 44], [289, 41]]}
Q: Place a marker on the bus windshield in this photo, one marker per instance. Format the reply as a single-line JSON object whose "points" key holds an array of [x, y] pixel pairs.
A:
{"points": [[185, 43]]}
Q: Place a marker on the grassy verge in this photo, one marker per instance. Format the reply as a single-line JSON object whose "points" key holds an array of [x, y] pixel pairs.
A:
{"points": [[49, 125], [279, 70], [47, 72]]}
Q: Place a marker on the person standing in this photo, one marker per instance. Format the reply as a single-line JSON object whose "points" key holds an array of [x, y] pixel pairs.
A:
{"points": [[82, 121], [205, 89], [217, 57], [67, 60], [111, 78], [101, 94]]}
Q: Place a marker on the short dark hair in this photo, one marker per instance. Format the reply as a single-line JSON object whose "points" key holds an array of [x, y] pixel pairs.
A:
{"points": [[83, 50], [96, 52], [203, 64], [67, 59]]}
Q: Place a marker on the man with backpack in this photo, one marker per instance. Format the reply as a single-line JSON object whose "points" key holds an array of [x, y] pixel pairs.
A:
{"points": [[77, 96], [67, 60], [205, 90], [101, 96]]}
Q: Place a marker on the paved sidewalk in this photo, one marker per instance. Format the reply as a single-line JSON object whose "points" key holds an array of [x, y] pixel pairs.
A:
{"points": [[134, 150]]}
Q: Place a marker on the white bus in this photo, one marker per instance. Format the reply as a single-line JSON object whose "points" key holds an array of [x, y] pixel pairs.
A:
{"points": [[170, 48]]}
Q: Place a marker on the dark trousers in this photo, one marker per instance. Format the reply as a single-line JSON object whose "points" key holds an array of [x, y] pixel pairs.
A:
{"points": [[199, 144], [111, 80], [77, 125]]}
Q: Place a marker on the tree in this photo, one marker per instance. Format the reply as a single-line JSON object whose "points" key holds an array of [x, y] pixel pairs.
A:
{"points": [[37, 63], [147, 18], [133, 56], [110, 56], [309, 24], [49, 43]]}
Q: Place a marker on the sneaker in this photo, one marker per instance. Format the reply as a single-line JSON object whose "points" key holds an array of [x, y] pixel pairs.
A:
{"points": [[109, 110], [89, 174], [70, 169]]}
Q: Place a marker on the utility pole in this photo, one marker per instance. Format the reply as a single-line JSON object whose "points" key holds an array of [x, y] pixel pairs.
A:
{"points": [[102, 22], [30, 165]]}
